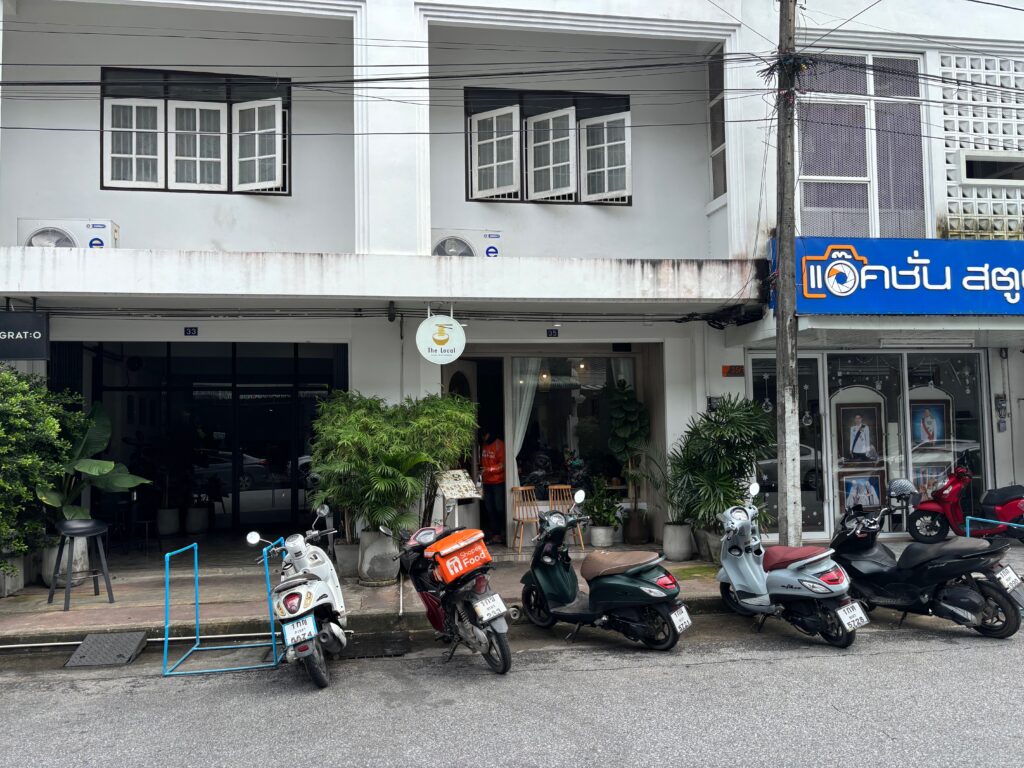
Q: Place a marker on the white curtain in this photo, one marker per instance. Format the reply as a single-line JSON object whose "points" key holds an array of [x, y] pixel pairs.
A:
{"points": [[622, 369], [524, 387]]}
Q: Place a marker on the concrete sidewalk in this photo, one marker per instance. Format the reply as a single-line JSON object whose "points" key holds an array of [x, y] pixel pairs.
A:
{"points": [[233, 601]]}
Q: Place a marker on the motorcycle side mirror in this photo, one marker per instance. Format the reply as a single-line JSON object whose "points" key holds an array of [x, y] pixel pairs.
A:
{"points": [[579, 496], [753, 490], [252, 538], [386, 531], [323, 510]]}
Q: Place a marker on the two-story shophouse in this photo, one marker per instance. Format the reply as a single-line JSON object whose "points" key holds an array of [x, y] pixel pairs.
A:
{"points": [[227, 209]]}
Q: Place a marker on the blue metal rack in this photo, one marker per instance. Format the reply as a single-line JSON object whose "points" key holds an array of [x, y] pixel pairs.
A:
{"points": [[197, 646], [992, 522]]}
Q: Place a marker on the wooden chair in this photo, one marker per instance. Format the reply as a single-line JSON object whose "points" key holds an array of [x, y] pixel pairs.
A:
{"points": [[560, 500], [524, 510]]}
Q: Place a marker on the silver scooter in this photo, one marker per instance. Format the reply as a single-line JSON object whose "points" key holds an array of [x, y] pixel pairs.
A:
{"points": [[308, 602], [802, 585]]}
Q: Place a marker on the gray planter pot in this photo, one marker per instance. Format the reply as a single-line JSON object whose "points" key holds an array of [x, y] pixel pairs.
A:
{"points": [[377, 566], [197, 520], [714, 545], [601, 535], [81, 564], [168, 521], [15, 582], [678, 541], [347, 559]]}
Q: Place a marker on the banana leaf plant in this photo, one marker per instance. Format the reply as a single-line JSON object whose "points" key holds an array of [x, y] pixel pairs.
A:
{"points": [[83, 470]]}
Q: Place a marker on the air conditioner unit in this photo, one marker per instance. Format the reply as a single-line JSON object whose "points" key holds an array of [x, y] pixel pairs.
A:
{"points": [[68, 233], [468, 242]]}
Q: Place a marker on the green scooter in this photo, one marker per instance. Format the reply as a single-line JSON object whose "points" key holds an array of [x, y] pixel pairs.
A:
{"points": [[630, 592]]}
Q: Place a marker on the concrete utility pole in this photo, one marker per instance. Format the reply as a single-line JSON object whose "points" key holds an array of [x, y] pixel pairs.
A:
{"points": [[787, 398]]}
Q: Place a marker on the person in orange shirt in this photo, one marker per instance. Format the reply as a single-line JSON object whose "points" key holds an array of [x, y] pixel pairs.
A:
{"points": [[492, 460]]}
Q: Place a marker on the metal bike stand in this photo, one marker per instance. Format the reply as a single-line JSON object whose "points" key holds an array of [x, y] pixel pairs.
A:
{"points": [[986, 520]]}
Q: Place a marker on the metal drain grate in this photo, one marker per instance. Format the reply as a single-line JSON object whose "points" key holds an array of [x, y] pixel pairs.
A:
{"points": [[108, 649]]}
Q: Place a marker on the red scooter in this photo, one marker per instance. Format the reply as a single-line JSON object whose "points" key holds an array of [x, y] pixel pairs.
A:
{"points": [[932, 518]]}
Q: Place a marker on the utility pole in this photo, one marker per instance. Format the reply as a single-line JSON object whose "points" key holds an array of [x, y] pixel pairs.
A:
{"points": [[787, 398]]}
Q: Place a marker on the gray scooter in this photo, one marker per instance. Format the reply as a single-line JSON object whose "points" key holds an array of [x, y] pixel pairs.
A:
{"points": [[802, 585]]}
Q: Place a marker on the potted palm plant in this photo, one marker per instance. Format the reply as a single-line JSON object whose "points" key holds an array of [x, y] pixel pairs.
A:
{"points": [[602, 507], [630, 430], [710, 465]]}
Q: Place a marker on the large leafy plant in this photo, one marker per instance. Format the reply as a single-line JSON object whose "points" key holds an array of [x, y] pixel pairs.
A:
{"points": [[37, 430], [630, 430], [602, 506], [375, 460], [710, 466], [83, 470]]}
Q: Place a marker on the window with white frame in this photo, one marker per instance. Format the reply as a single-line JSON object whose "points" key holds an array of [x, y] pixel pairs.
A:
{"points": [[861, 154], [716, 122], [187, 131], [548, 146]]}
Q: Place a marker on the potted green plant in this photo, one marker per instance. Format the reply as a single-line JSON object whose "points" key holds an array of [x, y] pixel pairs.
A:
{"points": [[709, 467], [602, 507], [630, 430], [37, 430], [82, 471], [375, 461]]}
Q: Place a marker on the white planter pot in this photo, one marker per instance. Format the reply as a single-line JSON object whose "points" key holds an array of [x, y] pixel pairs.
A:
{"points": [[601, 535], [81, 563], [377, 566], [197, 520], [168, 521], [678, 542]]}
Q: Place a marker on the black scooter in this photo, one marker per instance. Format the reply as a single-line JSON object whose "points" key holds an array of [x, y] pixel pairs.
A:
{"points": [[629, 591], [960, 579]]}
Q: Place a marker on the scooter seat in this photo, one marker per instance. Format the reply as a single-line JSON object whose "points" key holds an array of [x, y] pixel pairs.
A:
{"points": [[996, 497], [604, 563], [779, 557], [916, 554]]}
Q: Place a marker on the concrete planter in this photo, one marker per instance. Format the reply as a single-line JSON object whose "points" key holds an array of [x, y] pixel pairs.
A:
{"points": [[168, 521], [347, 560], [197, 520], [14, 582], [80, 565], [709, 544], [601, 536], [377, 566], [678, 541]]}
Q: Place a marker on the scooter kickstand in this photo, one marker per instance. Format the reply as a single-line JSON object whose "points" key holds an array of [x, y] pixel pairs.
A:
{"points": [[451, 652], [904, 616], [571, 637], [759, 624]]}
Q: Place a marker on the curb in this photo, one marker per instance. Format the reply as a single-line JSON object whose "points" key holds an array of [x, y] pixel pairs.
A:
{"points": [[368, 624]]}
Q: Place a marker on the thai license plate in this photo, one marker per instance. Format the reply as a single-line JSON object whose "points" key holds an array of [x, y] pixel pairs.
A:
{"points": [[681, 618], [1008, 578], [297, 631], [852, 616], [491, 607]]}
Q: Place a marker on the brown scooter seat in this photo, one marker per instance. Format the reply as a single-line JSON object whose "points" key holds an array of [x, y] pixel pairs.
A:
{"points": [[601, 562]]}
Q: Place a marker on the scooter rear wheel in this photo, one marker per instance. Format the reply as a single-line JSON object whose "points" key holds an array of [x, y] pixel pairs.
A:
{"points": [[1002, 616], [316, 665], [731, 601], [835, 634], [498, 655], [928, 527], [662, 634], [535, 606]]}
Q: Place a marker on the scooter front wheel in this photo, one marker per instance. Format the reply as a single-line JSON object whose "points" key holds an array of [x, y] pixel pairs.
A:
{"points": [[928, 527], [316, 665], [535, 605], [661, 634], [731, 601]]}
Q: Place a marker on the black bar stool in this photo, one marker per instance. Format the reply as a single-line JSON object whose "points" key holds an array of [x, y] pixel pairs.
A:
{"points": [[91, 531]]}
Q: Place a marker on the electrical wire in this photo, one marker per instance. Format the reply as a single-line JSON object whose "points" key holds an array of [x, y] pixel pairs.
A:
{"points": [[840, 25]]}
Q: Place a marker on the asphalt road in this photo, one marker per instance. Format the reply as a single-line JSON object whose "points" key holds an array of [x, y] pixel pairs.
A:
{"points": [[929, 694]]}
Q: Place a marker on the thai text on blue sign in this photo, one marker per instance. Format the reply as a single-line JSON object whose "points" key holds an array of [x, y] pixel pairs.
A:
{"points": [[866, 276]]}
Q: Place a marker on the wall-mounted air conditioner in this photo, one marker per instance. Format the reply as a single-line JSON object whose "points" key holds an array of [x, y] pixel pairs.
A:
{"points": [[468, 242], [68, 233]]}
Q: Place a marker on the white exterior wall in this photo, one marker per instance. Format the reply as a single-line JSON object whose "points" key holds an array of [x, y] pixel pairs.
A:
{"points": [[56, 174]]}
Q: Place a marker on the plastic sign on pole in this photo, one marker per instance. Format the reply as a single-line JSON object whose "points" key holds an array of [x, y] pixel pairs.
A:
{"points": [[440, 339]]}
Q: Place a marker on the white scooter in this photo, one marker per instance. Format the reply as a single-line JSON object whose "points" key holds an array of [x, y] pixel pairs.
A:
{"points": [[308, 601]]}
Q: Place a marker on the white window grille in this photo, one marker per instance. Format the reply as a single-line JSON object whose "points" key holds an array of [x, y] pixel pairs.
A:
{"points": [[258, 128], [605, 158], [133, 145], [551, 165], [197, 141], [861, 153], [495, 147]]}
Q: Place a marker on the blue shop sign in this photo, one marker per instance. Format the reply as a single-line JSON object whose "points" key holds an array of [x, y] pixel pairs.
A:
{"points": [[875, 276]]}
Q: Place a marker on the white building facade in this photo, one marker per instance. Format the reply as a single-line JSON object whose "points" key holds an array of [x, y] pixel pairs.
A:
{"points": [[589, 187]]}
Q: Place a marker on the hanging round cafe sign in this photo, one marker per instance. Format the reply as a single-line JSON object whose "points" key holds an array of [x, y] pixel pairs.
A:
{"points": [[440, 339]]}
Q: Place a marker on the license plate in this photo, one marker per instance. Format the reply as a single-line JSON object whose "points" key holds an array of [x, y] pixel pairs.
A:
{"points": [[491, 607], [681, 618], [297, 631], [852, 616], [1008, 578]]}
